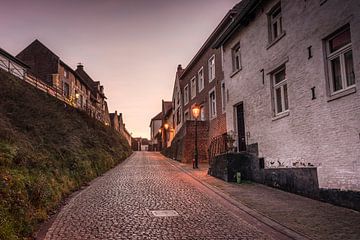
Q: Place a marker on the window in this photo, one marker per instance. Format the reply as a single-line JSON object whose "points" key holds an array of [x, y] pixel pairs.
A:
{"points": [[223, 96], [186, 94], [178, 97], [280, 91], [340, 61], [211, 68], [186, 115], [201, 79], [66, 89], [66, 73], [212, 104], [235, 52], [193, 87], [178, 116], [275, 23], [202, 113]]}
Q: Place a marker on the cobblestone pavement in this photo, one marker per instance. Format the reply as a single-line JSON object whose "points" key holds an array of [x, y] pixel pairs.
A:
{"points": [[118, 204]]}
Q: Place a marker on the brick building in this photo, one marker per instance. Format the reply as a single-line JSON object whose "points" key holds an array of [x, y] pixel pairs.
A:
{"points": [[117, 122], [77, 88], [200, 83], [291, 70]]}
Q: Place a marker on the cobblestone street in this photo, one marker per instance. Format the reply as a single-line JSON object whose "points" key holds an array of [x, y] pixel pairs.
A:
{"points": [[118, 205]]}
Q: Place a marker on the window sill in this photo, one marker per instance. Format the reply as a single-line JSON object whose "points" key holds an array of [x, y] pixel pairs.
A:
{"points": [[235, 72], [342, 94], [281, 115], [210, 80], [275, 40]]}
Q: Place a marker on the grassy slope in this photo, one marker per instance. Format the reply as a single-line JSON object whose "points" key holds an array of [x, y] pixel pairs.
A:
{"points": [[47, 150]]}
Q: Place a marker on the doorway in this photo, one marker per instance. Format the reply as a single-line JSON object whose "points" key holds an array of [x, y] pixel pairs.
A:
{"points": [[240, 121]]}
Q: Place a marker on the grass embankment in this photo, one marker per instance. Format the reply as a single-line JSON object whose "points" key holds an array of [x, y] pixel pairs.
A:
{"points": [[47, 150]]}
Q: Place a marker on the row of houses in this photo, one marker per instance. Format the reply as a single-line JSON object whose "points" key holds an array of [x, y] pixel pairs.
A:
{"points": [[280, 80], [41, 67]]}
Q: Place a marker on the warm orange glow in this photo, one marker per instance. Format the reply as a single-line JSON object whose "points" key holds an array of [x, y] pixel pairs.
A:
{"points": [[159, 130], [77, 95], [196, 111], [166, 126]]}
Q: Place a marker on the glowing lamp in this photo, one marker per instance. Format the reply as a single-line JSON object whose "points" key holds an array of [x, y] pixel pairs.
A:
{"points": [[196, 111], [166, 126]]}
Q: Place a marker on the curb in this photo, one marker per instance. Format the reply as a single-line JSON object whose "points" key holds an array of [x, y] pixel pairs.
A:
{"points": [[269, 222]]}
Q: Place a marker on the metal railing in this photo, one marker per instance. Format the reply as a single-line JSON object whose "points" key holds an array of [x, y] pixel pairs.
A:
{"points": [[218, 145]]}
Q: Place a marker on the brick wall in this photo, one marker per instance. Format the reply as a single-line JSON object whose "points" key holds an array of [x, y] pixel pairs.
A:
{"points": [[183, 145], [321, 132]]}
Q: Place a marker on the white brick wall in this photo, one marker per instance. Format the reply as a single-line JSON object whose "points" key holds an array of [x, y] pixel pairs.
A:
{"points": [[321, 132]]}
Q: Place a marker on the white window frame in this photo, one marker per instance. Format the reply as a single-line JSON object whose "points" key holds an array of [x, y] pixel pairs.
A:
{"points": [[211, 68], [236, 54], [275, 20], [212, 111], [193, 88], [223, 96], [202, 113], [201, 82], [276, 86], [186, 94], [341, 54]]}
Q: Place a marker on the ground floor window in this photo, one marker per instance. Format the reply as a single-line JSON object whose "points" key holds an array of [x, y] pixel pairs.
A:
{"points": [[280, 91]]}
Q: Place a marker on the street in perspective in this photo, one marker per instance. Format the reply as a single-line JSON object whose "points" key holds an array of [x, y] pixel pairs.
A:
{"points": [[202, 119]]}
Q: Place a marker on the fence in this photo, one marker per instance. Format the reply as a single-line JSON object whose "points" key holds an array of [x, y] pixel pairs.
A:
{"points": [[218, 145]]}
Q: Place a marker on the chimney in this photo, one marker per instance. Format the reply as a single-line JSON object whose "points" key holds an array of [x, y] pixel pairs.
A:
{"points": [[80, 66], [102, 89], [179, 68]]}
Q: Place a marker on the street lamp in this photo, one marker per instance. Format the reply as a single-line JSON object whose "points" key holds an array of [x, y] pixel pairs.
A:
{"points": [[166, 127], [196, 112]]}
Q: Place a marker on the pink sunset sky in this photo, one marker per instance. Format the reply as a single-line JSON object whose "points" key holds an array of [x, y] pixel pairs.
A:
{"points": [[132, 46]]}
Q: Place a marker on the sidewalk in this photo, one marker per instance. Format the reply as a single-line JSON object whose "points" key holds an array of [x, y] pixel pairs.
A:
{"points": [[311, 218]]}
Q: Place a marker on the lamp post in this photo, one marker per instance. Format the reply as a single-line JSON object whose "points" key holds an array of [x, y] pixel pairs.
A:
{"points": [[166, 127], [159, 144], [196, 113]]}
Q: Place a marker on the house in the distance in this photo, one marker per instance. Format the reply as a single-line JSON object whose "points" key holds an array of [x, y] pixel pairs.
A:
{"points": [[116, 122], [77, 90], [155, 133]]}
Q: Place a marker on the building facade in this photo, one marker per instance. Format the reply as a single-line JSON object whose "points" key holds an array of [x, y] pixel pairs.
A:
{"points": [[291, 71], [200, 83], [155, 133], [77, 90], [117, 123]]}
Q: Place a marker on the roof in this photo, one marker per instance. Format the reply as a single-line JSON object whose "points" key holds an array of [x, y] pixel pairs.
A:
{"points": [[213, 36], [243, 9], [157, 117], [89, 81], [12, 58]]}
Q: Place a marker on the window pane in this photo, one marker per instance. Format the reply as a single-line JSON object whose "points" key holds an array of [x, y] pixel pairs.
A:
{"points": [[280, 76], [340, 40], [278, 100], [286, 97], [336, 74], [349, 66], [275, 30]]}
